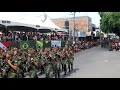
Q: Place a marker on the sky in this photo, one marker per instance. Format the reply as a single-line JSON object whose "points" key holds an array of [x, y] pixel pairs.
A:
{"points": [[21, 15]]}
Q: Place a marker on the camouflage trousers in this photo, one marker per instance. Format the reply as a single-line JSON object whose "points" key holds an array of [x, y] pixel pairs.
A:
{"points": [[70, 64], [47, 69], [64, 63], [57, 69], [33, 74], [12, 75]]}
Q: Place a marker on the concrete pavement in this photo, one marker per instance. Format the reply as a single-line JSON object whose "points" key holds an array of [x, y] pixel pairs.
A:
{"points": [[96, 62]]}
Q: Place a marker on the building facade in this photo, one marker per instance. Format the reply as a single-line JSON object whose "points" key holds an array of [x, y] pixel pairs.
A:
{"points": [[82, 24]]}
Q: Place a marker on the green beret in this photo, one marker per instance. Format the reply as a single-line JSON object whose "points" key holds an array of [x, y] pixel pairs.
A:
{"points": [[10, 52]]}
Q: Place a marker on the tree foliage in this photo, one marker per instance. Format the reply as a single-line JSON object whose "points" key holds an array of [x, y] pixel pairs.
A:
{"points": [[110, 22]]}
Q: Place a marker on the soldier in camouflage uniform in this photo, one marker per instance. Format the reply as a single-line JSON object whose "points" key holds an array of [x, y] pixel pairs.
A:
{"points": [[48, 63], [12, 64], [110, 45], [57, 62], [64, 60], [41, 60], [32, 64], [70, 59]]}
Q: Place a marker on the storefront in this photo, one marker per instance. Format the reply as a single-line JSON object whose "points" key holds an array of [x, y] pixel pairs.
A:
{"points": [[82, 36]]}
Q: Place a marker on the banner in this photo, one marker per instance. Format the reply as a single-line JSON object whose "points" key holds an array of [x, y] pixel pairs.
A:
{"points": [[2, 46], [39, 44], [6, 44], [28, 44], [55, 43]]}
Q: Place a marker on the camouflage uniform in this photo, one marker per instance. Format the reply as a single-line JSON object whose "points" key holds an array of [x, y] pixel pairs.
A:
{"points": [[47, 65], [70, 60], [64, 61], [32, 68], [57, 65]]}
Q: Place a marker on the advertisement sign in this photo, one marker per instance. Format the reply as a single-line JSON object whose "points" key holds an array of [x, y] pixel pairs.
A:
{"points": [[55, 43], [81, 34]]}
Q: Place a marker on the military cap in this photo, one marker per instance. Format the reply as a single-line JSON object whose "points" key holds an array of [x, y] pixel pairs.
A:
{"points": [[6, 49], [21, 49], [46, 49], [4, 53], [18, 57], [0, 57], [30, 48], [12, 48], [38, 49], [31, 51], [10, 52]]}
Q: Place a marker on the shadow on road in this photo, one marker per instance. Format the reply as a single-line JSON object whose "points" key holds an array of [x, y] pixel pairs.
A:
{"points": [[69, 73]]}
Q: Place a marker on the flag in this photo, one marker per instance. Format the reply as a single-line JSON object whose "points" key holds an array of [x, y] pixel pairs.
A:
{"points": [[15, 44], [39, 44], [28, 44], [4, 45]]}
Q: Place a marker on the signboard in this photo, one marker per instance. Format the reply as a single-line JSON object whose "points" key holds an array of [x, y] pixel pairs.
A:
{"points": [[81, 34], [88, 33], [55, 43]]}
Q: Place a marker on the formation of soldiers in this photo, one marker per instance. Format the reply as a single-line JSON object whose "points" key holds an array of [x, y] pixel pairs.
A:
{"points": [[111, 44], [82, 45], [16, 63]]}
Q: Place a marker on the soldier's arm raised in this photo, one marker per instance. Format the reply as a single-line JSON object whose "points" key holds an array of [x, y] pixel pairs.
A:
{"points": [[11, 65], [51, 57]]}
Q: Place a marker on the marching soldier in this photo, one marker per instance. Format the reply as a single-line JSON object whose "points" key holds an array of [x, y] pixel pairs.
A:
{"points": [[13, 64], [48, 63], [71, 58], [64, 60], [33, 63], [41, 61]]}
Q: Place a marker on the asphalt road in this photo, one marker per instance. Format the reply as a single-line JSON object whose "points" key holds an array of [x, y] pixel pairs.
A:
{"points": [[96, 62]]}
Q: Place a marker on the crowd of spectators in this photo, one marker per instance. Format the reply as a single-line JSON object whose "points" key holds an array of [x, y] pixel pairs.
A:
{"points": [[17, 36]]}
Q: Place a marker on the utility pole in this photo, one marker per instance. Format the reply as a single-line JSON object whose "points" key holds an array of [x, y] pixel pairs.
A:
{"points": [[73, 26]]}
